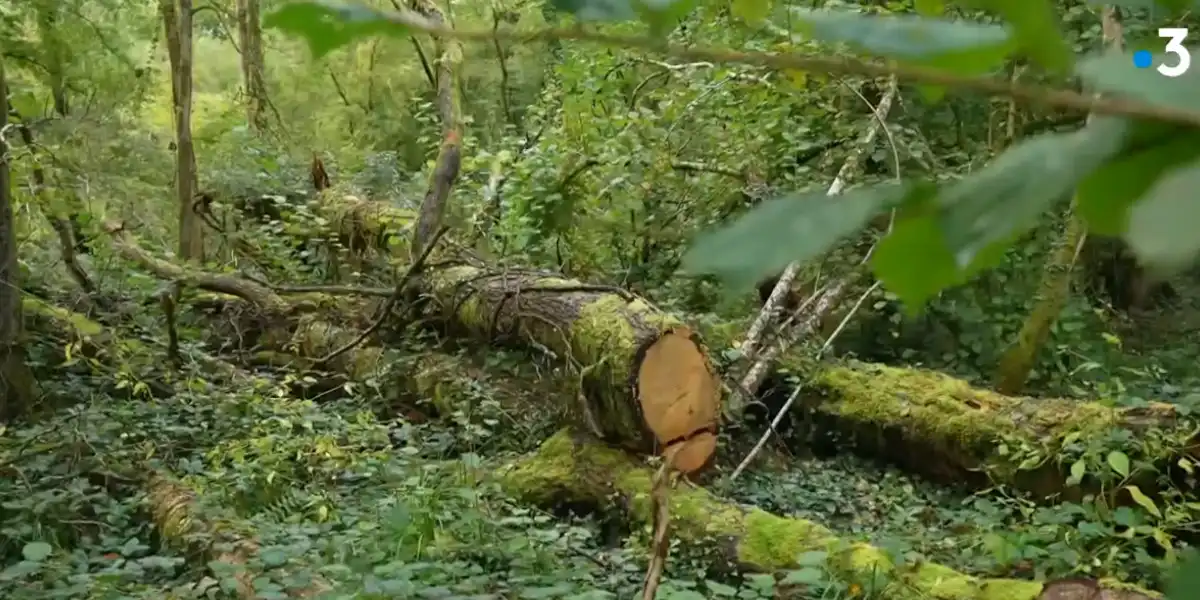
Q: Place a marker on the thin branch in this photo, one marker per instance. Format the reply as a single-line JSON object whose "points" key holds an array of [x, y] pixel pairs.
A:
{"points": [[762, 441], [413, 270], [832, 65], [774, 303]]}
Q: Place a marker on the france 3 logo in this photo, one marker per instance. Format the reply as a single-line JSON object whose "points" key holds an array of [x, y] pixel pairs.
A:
{"points": [[1144, 59]]}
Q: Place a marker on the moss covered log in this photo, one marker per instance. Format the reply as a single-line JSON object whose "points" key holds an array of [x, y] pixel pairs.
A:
{"points": [[645, 379], [172, 507], [646, 382], [361, 225], [940, 427], [567, 469]]}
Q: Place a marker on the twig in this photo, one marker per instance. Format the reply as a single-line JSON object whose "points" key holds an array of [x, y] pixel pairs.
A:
{"points": [[833, 65], [338, 290], [168, 297], [770, 309], [660, 544], [762, 441], [392, 300]]}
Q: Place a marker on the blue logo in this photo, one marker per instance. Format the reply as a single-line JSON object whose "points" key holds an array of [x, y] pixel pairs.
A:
{"points": [[1143, 59]]}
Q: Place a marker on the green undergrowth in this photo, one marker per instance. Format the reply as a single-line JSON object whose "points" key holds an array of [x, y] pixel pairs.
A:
{"points": [[374, 504], [376, 501], [994, 532]]}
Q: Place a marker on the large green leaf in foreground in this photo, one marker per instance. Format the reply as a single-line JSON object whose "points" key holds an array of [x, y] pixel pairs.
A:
{"points": [[780, 231], [960, 47], [327, 25]]}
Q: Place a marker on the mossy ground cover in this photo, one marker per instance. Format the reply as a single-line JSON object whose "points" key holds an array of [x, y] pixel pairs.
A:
{"points": [[993, 532]]}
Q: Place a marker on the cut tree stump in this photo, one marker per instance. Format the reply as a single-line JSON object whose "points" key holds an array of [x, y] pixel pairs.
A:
{"points": [[646, 382], [570, 470]]}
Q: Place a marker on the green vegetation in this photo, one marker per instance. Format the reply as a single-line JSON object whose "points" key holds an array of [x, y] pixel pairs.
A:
{"points": [[324, 299]]}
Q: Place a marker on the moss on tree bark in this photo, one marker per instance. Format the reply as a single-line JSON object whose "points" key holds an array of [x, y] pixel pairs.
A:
{"points": [[568, 469], [940, 427]]}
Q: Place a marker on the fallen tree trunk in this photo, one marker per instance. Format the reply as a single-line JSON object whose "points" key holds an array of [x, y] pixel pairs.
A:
{"points": [[645, 379], [646, 382], [172, 509], [569, 470], [940, 427]]}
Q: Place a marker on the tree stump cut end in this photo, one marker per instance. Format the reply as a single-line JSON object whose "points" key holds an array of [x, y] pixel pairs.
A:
{"points": [[680, 398]]}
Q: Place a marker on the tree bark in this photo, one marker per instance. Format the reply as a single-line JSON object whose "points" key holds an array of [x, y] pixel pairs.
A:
{"points": [[16, 378], [64, 223], [55, 56], [449, 158], [569, 470], [646, 382], [940, 427], [644, 379], [1054, 290], [177, 23], [253, 65]]}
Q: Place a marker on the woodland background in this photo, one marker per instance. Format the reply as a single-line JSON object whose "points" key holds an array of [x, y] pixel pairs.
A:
{"points": [[235, 364]]}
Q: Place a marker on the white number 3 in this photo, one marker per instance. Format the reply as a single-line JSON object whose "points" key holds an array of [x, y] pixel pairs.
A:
{"points": [[1175, 46]]}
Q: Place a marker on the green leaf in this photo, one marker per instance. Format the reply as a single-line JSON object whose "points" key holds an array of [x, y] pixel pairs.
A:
{"points": [[805, 576], [598, 10], [1115, 72], [1175, 6], [1105, 198], [1185, 579], [659, 14], [914, 263], [663, 15], [1163, 225], [720, 589], [1119, 462], [812, 558], [1143, 500], [958, 46], [1008, 196], [328, 25], [1078, 470], [751, 11], [1036, 27], [780, 231], [36, 551], [273, 558]]}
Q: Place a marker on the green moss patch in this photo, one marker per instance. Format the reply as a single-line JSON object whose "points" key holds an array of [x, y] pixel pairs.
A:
{"points": [[570, 469]]}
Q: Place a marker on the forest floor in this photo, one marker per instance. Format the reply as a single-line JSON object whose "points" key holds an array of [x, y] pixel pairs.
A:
{"points": [[363, 493]]}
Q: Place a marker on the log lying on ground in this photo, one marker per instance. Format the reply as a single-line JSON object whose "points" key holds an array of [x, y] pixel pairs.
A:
{"points": [[172, 509], [283, 324], [85, 337], [646, 381], [569, 470], [940, 427]]}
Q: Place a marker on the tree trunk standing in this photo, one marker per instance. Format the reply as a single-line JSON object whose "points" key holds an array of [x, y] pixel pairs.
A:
{"points": [[16, 379], [253, 68], [449, 159], [54, 57], [1054, 290], [177, 21]]}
